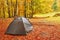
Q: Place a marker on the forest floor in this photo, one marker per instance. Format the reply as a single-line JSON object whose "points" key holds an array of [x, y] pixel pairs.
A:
{"points": [[43, 29]]}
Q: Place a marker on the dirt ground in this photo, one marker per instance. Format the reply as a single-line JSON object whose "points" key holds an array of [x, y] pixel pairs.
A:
{"points": [[42, 30]]}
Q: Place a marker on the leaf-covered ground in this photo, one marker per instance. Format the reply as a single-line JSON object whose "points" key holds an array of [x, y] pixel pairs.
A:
{"points": [[43, 29]]}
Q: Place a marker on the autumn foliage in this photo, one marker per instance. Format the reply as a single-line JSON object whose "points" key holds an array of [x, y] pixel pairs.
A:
{"points": [[27, 8], [40, 31]]}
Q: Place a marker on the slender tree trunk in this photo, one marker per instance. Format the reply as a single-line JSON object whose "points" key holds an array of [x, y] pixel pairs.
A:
{"points": [[25, 8], [11, 8], [32, 8], [4, 11], [15, 9], [8, 8], [0, 12]]}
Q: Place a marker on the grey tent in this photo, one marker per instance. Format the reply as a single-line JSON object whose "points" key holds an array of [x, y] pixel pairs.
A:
{"points": [[19, 26]]}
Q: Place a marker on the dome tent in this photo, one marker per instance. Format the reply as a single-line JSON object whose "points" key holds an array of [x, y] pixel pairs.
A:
{"points": [[19, 26]]}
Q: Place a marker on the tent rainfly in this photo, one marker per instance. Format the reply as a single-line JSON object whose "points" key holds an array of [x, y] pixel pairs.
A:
{"points": [[19, 26]]}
